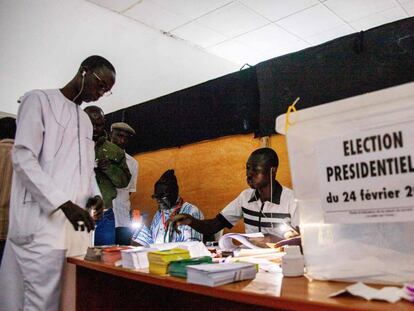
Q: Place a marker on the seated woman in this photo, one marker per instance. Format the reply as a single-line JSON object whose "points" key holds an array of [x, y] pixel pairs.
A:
{"points": [[169, 205]]}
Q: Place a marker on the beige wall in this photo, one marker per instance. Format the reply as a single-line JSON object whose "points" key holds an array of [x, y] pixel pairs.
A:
{"points": [[210, 173]]}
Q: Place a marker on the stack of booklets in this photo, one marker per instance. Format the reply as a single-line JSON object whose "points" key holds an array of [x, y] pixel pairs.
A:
{"points": [[110, 255], [94, 253], [136, 258], [159, 260], [179, 268], [220, 274], [196, 248]]}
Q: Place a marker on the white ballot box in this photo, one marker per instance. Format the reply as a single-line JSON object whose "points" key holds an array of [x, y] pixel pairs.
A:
{"points": [[352, 167]]}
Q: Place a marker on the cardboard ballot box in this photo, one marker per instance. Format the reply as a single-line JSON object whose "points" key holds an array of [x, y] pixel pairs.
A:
{"points": [[352, 167]]}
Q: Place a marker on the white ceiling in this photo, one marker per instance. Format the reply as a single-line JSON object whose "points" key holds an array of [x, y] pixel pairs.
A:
{"points": [[251, 31]]}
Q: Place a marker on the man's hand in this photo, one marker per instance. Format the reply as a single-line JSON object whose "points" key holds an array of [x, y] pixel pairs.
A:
{"points": [[291, 241], [103, 164], [268, 238], [134, 243], [78, 217], [97, 205], [180, 219]]}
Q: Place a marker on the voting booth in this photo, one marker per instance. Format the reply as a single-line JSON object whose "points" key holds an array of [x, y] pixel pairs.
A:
{"points": [[352, 167]]}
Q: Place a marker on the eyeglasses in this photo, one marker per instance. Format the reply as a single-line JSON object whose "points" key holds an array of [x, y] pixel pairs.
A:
{"points": [[103, 85], [160, 197]]}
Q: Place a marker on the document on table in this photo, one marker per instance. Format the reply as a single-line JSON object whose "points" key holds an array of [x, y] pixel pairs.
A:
{"points": [[226, 241], [266, 283]]}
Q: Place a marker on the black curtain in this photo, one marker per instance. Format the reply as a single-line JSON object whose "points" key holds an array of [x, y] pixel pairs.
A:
{"points": [[248, 101], [225, 106], [362, 62]]}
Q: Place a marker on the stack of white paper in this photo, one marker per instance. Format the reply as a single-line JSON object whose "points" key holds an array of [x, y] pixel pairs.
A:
{"points": [[196, 248], [219, 274], [226, 241], [136, 258]]}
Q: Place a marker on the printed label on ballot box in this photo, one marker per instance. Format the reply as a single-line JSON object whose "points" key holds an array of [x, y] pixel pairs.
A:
{"points": [[368, 176]]}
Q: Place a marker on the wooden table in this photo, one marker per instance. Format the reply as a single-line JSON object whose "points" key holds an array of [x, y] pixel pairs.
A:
{"points": [[102, 287]]}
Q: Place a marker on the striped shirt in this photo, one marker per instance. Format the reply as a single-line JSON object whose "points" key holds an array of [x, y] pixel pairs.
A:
{"points": [[6, 170], [265, 217], [157, 234]]}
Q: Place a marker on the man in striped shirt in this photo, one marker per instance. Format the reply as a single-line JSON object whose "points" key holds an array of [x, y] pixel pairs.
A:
{"points": [[266, 207]]}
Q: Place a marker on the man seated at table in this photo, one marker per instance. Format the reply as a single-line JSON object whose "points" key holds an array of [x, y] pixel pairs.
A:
{"points": [[166, 193], [266, 207]]}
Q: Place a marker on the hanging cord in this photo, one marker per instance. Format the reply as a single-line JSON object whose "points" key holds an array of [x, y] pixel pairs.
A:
{"points": [[291, 108], [81, 90], [77, 115], [79, 144], [245, 65]]}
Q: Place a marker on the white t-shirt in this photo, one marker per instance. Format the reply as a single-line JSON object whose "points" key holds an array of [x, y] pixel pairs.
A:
{"points": [[265, 217], [121, 204]]}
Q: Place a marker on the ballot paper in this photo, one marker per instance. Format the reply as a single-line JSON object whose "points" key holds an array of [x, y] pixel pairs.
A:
{"points": [[242, 252], [136, 258], [196, 248], [264, 264], [226, 241], [220, 274], [266, 283], [390, 294]]}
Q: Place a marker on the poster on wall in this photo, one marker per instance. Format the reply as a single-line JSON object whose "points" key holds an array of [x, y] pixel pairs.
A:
{"points": [[368, 176]]}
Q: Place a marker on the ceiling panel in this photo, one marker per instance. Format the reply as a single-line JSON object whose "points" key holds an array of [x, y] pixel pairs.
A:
{"points": [[409, 7], [155, 16], [351, 10], [237, 52], [254, 30], [191, 8], [380, 18], [311, 21], [330, 34], [233, 20], [272, 41], [199, 35], [277, 9], [117, 6]]}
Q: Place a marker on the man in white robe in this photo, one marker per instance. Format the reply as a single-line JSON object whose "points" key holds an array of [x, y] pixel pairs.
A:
{"points": [[53, 160]]}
